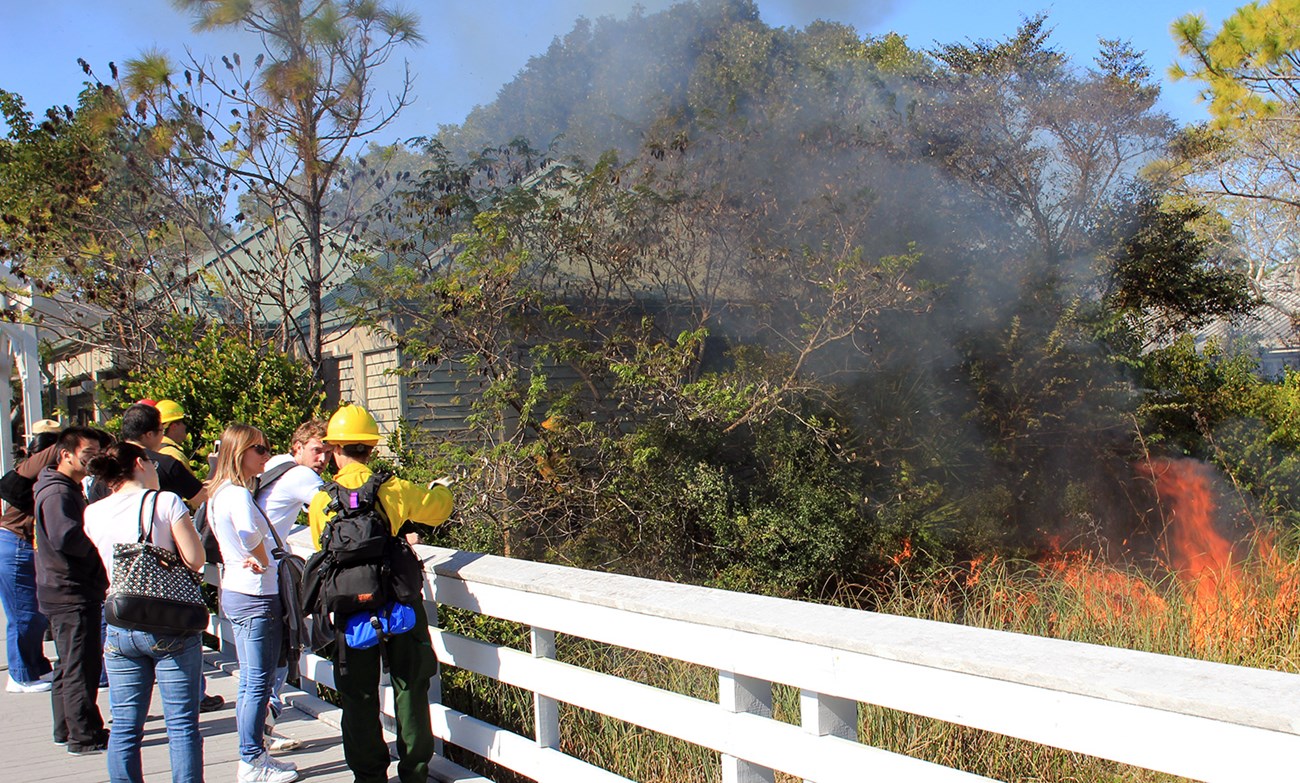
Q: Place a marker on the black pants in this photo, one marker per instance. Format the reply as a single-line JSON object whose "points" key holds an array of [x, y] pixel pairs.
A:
{"points": [[412, 663], [76, 632]]}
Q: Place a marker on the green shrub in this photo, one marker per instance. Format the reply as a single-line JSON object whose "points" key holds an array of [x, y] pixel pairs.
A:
{"points": [[218, 377]]}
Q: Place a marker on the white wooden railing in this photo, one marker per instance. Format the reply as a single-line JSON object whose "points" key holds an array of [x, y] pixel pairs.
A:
{"points": [[1204, 721]]}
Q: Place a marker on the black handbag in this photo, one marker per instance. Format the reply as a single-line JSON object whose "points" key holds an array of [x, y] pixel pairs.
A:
{"points": [[153, 590]]}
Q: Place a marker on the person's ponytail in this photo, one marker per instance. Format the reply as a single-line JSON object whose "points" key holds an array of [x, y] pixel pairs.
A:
{"points": [[116, 464]]}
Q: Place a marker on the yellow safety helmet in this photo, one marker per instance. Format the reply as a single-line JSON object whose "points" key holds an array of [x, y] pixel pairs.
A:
{"points": [[352, 424], [169, 411]]}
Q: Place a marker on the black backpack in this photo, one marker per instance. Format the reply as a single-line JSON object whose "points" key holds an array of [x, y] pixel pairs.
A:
{"points": [[211, 549], [361, 565]]}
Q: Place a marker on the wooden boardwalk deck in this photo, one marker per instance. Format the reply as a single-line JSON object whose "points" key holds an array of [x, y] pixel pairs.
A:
{"points": [[31, 755]]}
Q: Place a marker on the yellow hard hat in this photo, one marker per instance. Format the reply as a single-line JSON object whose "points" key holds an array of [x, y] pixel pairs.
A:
{"points": [[169, 411], [352, 424]]}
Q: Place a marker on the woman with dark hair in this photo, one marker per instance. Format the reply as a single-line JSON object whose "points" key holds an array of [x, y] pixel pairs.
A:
{"points": [[250, 594], [136, 659]]}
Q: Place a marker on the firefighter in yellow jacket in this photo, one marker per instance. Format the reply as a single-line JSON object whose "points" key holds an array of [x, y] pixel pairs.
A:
{"points": [[411, 660], [174, 427]]}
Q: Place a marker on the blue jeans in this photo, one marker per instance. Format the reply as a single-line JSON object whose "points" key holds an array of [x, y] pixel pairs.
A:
{"points": [[25, 637], [103, 634], [257, 625], [135, 660], [277, 704]]}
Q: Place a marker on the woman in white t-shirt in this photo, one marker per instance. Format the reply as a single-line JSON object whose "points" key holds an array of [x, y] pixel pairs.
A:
{"points": [[250, 594], [136, 659]]}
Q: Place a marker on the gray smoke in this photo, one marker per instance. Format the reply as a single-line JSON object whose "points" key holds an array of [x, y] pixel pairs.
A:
{"points": [[798, 13]]}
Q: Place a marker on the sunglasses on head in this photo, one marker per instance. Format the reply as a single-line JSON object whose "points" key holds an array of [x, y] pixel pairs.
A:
{"points": [[260, 449]]}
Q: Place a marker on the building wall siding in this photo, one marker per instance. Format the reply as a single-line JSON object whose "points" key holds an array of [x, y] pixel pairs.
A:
{"points": [[382, 396], [438, 399]]}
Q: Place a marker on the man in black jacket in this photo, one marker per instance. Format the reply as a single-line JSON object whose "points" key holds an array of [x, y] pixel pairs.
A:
{"points": [[70, 587]]}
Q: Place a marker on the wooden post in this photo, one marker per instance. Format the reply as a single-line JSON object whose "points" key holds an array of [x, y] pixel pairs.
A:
{"points": [[6, 394], [738, 693], [824, 715], [27, 354], [546, 711]]}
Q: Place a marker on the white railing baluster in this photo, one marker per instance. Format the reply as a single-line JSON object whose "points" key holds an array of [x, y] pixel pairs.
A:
{"points": [[546, 711], [828, 716], [435, 682], [738, 693]]}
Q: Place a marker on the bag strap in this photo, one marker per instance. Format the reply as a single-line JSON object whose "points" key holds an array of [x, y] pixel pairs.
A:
{"points": [[340, 496], [279, 552], [279, 545], [153, 512], [268, 479]]}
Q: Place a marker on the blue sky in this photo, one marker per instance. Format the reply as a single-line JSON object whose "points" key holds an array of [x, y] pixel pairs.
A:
{"points": [[473, 48]]}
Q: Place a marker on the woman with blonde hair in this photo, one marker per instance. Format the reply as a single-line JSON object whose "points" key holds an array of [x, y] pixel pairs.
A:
{"points": [[250, 596], [136, 659]]}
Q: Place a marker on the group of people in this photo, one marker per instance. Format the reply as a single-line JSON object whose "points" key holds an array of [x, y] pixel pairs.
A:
{"points": [[92, 493]]}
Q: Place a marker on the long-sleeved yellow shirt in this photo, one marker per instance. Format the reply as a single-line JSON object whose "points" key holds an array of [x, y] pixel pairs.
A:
{"points": [[402, 501]]}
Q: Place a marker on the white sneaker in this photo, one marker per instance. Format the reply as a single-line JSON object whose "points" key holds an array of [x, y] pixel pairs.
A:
{"points": [[283, 766], [38, 686], [266, 770]]}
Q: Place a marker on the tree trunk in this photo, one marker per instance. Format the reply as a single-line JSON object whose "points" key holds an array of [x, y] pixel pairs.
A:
{"points": [[315, 338]]}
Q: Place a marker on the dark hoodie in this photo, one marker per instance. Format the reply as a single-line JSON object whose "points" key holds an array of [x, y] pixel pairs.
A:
{"points": [[68, 569]]}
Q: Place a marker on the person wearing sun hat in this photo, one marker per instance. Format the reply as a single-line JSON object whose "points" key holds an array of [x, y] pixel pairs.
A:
{"points": [[46, 427]]}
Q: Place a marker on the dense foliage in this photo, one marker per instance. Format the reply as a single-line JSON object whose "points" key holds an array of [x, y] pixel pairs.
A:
{"points": [[219, 378], [89, 217], [826, 298]]}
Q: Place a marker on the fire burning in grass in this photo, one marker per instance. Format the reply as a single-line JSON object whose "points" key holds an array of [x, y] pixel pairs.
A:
{"points": [[1233, 594], [1188, 586]]}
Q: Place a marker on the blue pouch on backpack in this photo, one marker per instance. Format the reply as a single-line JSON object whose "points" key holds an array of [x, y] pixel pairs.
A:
{"points": [[363, 629], [359, 632], [398, 618]]}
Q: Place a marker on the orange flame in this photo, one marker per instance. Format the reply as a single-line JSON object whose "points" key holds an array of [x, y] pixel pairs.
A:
{"points": [[905, 554], [1225, 605], [1104, 593], [1228, 605], [977, 567]]}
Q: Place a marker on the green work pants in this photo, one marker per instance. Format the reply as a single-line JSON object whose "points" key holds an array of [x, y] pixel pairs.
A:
{"points": [[411, 664]]}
